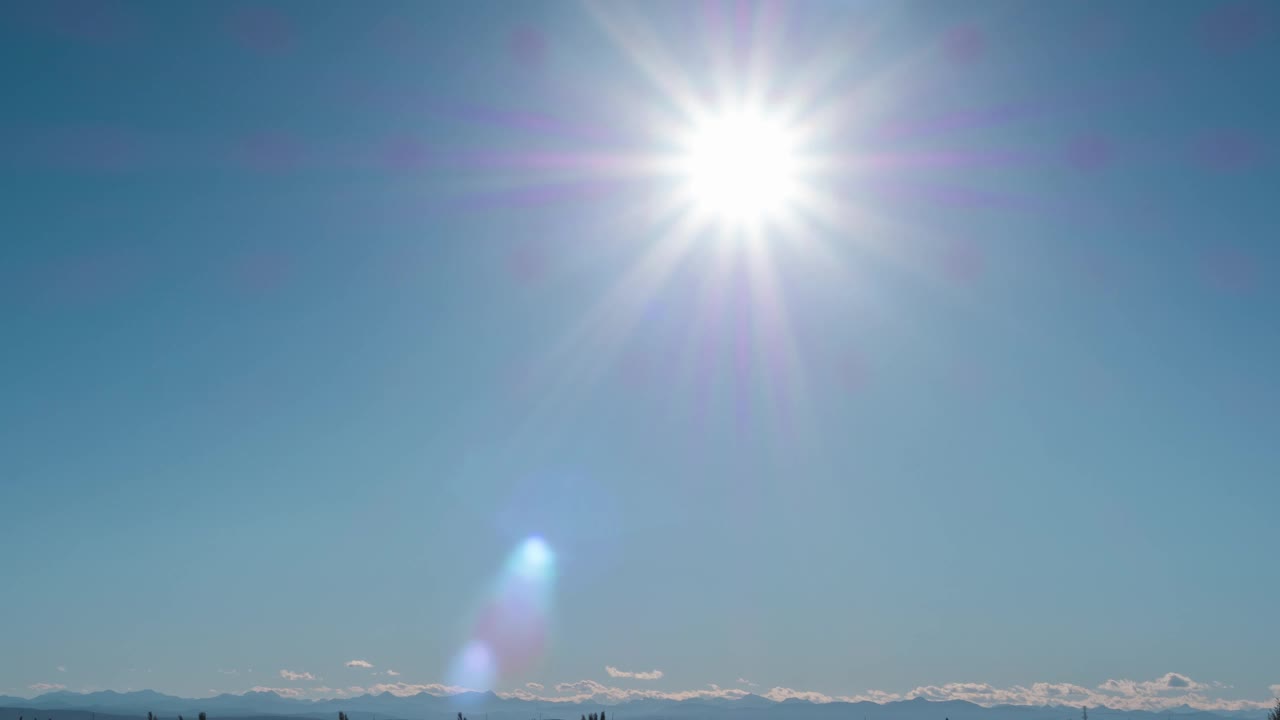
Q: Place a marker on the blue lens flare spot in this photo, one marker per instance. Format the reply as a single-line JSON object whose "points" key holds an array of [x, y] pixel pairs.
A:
{"points": [[534, 558]]}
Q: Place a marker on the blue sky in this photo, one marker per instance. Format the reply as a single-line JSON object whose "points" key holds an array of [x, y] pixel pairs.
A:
{"points": [[315, 314]]}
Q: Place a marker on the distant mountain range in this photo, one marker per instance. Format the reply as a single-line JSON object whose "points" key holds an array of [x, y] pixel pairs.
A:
{"points": [[111, 705]]}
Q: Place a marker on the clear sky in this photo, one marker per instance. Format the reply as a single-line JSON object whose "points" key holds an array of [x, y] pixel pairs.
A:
{"points": [[374, 331]]}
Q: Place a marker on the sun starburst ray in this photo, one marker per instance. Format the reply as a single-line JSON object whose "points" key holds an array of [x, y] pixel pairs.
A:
{"points": [[751, 171]]}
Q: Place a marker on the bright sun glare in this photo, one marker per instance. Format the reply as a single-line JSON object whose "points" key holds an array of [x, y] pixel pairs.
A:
{"points": [[740, 168]]}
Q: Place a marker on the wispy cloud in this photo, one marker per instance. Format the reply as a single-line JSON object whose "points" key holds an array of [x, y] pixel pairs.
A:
{"points": [[393, 673], [782, 693], [290, 675], [282, 692], [62, 668], [359, 664], [398, 689], [232, 671], [616, 673], [590, 690], [404, 689], [1167, 682], [1165, 692], [875, 696], [46, 687]]}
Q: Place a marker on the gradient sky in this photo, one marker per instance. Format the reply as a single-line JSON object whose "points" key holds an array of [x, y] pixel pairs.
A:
{"points": [[313, 313]]}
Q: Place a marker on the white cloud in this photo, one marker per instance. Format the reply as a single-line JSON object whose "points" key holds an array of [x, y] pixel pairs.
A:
{"points": [[359, 663], [616, 673], [1165, 692], [780, 693], [744, 681], [1169, 682], [393, 673], [521, 694], [232, 671], [282, 692], [46, 687], [404, 689], [62, 668], [590, 690], [875, 696], [290, 675]]}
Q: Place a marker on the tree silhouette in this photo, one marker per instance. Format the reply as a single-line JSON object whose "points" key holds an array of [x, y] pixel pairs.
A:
{"points": [[151, 717], [601, 715], [460, 717], [203, 717], [1275, 711]]}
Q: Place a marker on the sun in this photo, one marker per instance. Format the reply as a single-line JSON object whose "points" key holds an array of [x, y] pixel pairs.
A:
{"points": [[740, 169]]}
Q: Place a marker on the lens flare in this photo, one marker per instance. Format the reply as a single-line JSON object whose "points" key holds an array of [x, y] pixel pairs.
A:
{"points": [[533, 559], [510, 632], [473, 667]]}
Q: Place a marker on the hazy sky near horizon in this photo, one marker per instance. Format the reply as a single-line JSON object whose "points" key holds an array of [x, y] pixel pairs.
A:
{"points": [[315, 314]]}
